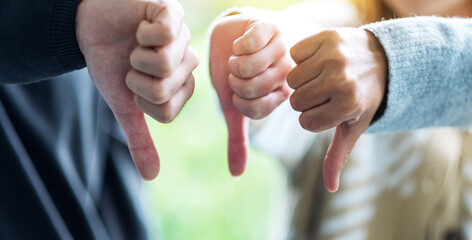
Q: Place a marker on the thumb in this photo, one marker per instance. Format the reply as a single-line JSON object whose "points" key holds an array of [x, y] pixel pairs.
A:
{"points": [[140, 144], [238, 143], [109, 80], [344, 139], [221, 43]]}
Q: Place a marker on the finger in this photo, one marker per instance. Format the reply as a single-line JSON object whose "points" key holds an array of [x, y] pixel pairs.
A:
{"points": [[264, 83], [140, 144], [263, 106], [167, 112], [312, 94], [257, 36], [249, 66], [221, 42], [304, 72], [321, 118], [158, 91], [306, 48], [344, 139], [162, 24], [161, 62]]}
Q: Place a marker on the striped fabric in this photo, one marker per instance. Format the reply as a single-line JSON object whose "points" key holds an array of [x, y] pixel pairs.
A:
{"points": [[402, 186], [414, 185]]}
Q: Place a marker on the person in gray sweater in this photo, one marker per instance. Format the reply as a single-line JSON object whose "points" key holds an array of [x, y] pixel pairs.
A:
{"points": [[388, 76]]}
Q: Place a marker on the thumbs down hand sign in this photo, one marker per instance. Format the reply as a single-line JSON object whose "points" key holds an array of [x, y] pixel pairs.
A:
{"points": [[248, 65], [138, 56], [339, 81]]}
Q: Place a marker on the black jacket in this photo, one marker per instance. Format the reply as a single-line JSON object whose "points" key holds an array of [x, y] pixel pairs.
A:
{"points": [[65, 169]]}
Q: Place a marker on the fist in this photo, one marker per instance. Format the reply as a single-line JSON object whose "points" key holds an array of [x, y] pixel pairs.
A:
{"points": [[161, 75], [258, 70], [339, 81], [138, 57], [249, 65]]}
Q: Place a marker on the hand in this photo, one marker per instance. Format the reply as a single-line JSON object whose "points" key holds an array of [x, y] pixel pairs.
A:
{"points": [[339, 81], [138, 56], [249, 65]]}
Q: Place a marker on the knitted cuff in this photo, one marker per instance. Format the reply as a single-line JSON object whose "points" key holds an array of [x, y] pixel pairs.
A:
{"points": [[64, 45]]}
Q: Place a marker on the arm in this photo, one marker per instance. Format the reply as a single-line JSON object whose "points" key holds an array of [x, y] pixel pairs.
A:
{"points": [[426, 59], [279, 133], [138, 57], [38, 40], [136, 51], [430, 72], [278, 130]]}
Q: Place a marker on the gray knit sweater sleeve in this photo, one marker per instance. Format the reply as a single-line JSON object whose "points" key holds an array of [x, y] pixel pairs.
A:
{"points": [[430, 73]]}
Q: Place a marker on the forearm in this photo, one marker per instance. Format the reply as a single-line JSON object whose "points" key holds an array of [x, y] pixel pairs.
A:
{"points": [[430, 73], [38, 40]]}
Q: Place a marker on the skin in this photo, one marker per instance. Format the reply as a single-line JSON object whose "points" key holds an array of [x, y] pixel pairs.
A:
{"points": [[248, 66], [138, 57], [240, 95], [339, 81]]}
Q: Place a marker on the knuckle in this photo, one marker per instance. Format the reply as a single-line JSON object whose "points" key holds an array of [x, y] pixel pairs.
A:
{"points": [[167, 34], [254, 112], [336, 62], [245, 68], [247, 108], [249, 89], [167, 115], [308, 123], [248, 44], [129, 79], [291, 79], [305, 122], [140, 34], [249, 92], [195, 61], [163, 63], [295, 102], [164, 69], [159, 94], [135, 61], [187, 34]]}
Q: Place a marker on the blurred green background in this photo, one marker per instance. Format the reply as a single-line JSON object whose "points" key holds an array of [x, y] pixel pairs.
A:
{"points": [[194, 197]]}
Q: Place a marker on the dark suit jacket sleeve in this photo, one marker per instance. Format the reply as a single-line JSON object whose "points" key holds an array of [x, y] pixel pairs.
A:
{"points": [[37, 40]]}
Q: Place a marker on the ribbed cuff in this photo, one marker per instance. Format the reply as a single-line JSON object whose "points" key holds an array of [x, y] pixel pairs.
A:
{"points": [[64, 45], [429, 73]]}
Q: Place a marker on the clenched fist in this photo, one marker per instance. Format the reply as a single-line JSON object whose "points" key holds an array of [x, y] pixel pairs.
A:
{"points": [[249, 65], [339, 81], [138, 56]]}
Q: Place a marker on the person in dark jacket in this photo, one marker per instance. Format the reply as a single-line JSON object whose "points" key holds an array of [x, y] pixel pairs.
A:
{"points": [[66, 171]]}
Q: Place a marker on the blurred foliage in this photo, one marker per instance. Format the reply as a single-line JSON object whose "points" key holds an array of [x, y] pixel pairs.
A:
{"points": [[194, 197]]}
